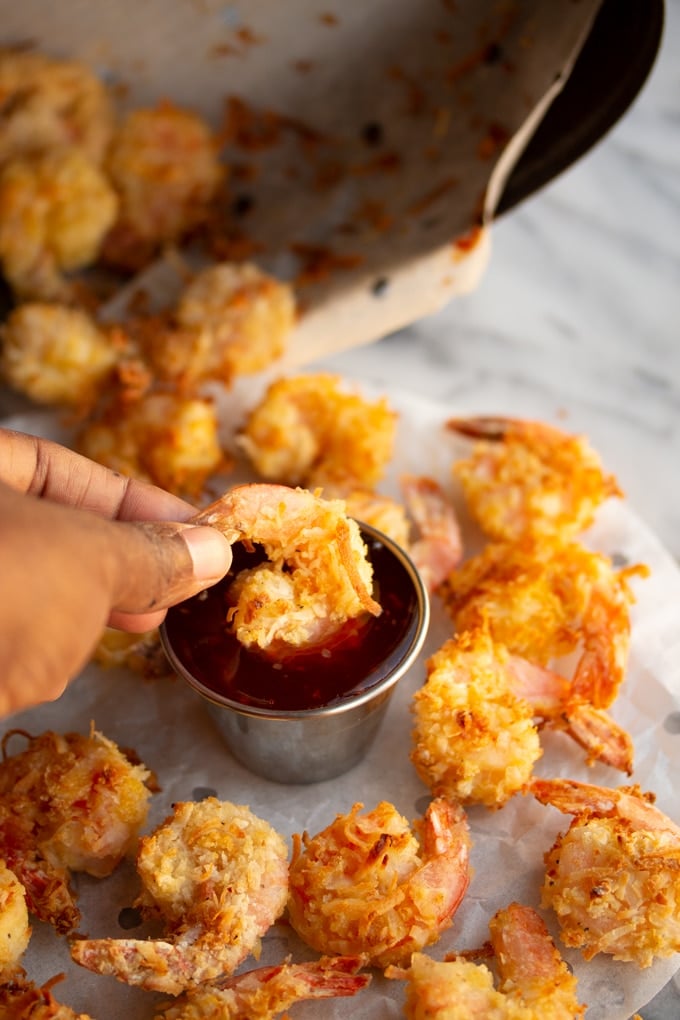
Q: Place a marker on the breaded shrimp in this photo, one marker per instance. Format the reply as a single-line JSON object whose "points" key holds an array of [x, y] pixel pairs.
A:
{"points": [[21, 999], [55, 210], [231, 319], [527, 479], [15, 930], [311, 430], [161, 437], [266, 992], [368, 885], [544, 601], [164, 164], [49, 104], [613, 878], [67, 803], [316, 577], [55, 355], [534, 981], [474, 740], [218, 876]]}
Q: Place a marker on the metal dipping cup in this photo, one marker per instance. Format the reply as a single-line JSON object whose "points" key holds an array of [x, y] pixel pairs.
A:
{"points": [[313, 744]]}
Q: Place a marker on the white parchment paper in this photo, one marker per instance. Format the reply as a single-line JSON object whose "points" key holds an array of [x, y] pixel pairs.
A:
{"points": [[168, 727]]}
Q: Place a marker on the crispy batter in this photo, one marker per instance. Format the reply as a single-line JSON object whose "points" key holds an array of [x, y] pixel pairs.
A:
{"points": [[15, 931], [21, 999]]}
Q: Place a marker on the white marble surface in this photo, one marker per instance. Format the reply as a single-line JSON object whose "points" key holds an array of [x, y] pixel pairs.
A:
{"points": [[577, 319]]}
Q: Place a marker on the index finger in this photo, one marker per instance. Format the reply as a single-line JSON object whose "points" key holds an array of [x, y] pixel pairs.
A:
{"points": [[40, 467]]}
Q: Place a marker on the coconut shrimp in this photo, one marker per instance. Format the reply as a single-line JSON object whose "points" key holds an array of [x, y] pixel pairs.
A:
{"points": [[527, 479], [164, 164], [311, 430], [50, 104], [266, 992], [534, 981], [56, 355], [21, 999], [55, 210], [548, 600], [67, 803], [368, 884], [15, 931], [613, 878], [218, 876], [141, 653], [231, 319], [160, 437], [316, 577]]}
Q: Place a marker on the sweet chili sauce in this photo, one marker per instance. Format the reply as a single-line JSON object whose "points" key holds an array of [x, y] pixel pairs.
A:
{"points": [[360, 654]]}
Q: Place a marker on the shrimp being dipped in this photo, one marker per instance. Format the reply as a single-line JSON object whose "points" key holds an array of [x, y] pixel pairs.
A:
{"points": [[15, 931], [164, 164], [534, 981], [316, 576], [218, 876], [613, 878], [21, 999], [548, 600], [368, 885], [50, 104], [264, 993], [526, 479], [310, 430], [67, 803]]}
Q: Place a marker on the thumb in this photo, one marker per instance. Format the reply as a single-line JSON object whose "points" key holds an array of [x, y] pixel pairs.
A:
{"points": [[160, 563]]}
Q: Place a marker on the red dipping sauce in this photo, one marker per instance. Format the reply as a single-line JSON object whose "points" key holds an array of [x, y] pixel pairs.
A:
{"points": [[360, 655]]}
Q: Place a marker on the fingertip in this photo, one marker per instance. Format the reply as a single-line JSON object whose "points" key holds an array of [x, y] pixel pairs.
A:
{"points": [[210, 553]]}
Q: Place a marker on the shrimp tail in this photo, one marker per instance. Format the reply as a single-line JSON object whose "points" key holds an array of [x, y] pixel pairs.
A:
{"points": [[154, 965]]}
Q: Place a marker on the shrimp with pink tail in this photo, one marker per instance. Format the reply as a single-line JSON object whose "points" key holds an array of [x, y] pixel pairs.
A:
{"points": [[67, 803], [266, 992], [546, 601], [613, 878], [218, 876], [317, 574], [369, 885], [528, 479], [534, 981], [476, 733]]}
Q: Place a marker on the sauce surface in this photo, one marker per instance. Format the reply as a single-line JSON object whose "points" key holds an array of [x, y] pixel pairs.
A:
{"points": [[361, 653]]}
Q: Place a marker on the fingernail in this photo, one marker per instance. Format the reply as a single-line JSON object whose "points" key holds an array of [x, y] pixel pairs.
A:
{"points": [[210, 552]]}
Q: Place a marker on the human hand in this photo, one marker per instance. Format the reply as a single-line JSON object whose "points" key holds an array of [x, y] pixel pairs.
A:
{"points": [[82, 547]]}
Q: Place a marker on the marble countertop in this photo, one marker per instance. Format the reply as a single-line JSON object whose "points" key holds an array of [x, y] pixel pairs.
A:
{"points": [[577, 318]]}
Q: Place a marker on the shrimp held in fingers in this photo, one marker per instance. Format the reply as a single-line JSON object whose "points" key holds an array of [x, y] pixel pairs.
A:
{"points": [[613, 878], [67, 803], [316, 577], [266, 992], [534, 981], [218, 876], [368, 885], [528, 479]]}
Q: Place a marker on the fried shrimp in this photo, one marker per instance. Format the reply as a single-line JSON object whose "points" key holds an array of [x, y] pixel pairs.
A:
{"points": [[164, 164], [55, 355], [367, 884], [67, 803], [548, 600], [218, 876], [15, 930], [55, 210], [316, 577], [266, 992], [49, 104], [310, 430], [161, 437], [474, 740], [527, 479], [534, 981], [613, 878], [21, 999]]}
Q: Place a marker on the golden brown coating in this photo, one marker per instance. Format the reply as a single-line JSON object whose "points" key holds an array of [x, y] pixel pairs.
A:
{"points": [[15, 930]]}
